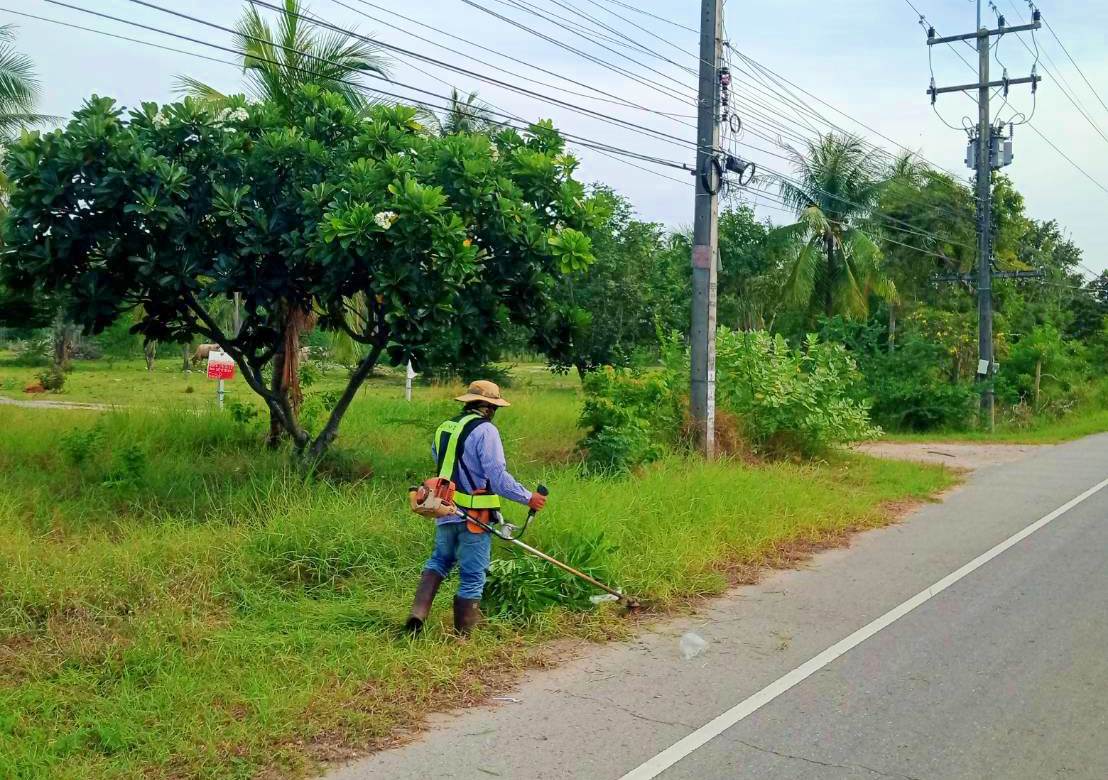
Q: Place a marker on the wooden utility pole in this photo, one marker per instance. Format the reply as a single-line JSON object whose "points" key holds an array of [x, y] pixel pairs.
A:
{"points": [[985, 156], [709, 177]]}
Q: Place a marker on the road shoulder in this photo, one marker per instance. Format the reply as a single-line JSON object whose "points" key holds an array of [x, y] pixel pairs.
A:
{"points": [[604, 712]]}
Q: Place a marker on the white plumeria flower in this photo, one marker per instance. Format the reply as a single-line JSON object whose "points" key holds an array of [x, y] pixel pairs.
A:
{"points": [[159, 120], [384, 219], [240, 115]]}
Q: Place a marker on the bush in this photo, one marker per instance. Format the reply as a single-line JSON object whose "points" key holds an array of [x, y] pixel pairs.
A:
{"points": [[631, 419], [909, 390], [87, 349], [35, 351], [802, 400], [919, 386], [499, 373], [1045, 371], [52, 379], [784, 400], [80, 444]]}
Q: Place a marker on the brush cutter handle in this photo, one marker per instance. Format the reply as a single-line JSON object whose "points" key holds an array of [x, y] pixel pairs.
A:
{"points": [[542, 490]]}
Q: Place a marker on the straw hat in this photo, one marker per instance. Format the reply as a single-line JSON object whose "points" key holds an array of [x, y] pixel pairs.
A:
{"points": [[482, 390]]}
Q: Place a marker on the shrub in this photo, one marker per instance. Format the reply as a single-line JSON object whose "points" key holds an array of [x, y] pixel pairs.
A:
{"points": [[129, 466], [52, 379], [793, 399], [631, 419], [920, 384], [784, 400], [243, 414], [35, 351], [80, 444], [87, 349], [909, 389], [1043, 370]]}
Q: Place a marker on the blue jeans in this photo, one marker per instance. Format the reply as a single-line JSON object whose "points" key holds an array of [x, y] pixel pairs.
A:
{"points": [[454, 543]]}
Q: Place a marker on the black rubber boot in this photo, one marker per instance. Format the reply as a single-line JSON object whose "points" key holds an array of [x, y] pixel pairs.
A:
{"points": [[424, 596], [467, 614]]}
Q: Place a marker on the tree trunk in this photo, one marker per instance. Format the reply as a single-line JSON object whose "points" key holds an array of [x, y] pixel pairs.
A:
{"points": [[186, 355], [892, 327], [829, 243], [236, 323], [150, 351], [1038, 384], [64, 333], [276, 428]]}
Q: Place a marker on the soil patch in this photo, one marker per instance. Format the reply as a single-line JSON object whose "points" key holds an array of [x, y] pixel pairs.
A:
{"points": [[961, 456]]}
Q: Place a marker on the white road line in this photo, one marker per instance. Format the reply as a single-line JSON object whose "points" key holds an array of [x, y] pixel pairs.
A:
{"points": [[671, 755]]}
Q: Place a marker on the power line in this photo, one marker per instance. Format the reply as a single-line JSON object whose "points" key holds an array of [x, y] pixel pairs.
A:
{"points": [[608, 149], [820, 100], [786, 207], [1075, 65], [1059, 75], [667, 91], [152, 45], [1070, 97], [599, 146], [1080, 170], [608, 98], [657, 134], [652, 16]]}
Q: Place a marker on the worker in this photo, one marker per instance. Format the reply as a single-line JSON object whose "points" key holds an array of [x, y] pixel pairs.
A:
{"points": [[468, 451]]}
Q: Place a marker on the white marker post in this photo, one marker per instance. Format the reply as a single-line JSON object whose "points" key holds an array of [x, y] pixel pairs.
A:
{"points": [[408, 382], [221, 366]]}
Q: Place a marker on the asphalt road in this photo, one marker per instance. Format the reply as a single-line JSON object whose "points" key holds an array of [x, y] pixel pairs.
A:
{"points": [[1000, 672]]}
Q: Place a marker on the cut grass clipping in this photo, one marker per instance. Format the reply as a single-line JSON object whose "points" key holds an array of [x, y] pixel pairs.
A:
{"points": [[176, 601]]}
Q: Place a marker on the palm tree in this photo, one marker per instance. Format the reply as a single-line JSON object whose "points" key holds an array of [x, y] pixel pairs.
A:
{"points": [[835, 266], [470, 115], [278, 60], [19, 87]]}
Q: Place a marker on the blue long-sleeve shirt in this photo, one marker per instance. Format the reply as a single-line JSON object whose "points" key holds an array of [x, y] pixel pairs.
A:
{"points": [[483, 456]]}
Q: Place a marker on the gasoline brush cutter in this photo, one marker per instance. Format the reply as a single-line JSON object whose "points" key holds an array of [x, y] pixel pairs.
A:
{"points": [[435, 500]]}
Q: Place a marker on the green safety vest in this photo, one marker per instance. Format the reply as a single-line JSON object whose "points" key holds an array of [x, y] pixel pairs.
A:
{"points": [[449, 444]]}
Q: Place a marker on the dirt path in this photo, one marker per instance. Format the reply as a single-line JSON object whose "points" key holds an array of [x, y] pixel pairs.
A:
{"points": [[45, 404], [968, 456]]}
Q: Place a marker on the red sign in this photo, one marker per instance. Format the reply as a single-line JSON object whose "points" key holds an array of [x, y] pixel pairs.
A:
{"points": [[220, 365]]}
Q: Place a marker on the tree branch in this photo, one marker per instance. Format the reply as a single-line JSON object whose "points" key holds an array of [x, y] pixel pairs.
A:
{"points": [[357, 378]]}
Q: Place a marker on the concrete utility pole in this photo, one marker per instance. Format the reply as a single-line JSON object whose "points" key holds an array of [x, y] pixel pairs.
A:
{"points": [[986, 156], [709, 176], [984, 229]]}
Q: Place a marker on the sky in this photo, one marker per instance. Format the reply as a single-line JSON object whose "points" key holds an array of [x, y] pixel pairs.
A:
{"points": [[867, 60]]}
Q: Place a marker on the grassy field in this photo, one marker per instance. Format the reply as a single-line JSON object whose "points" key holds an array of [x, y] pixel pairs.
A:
{"points": [[175, 601]]}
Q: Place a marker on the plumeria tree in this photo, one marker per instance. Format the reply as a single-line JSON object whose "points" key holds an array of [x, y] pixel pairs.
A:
{"points": [[403, 240]]}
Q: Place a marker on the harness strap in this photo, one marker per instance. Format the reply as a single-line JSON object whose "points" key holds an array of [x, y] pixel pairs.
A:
{"points": [[450, 443]]}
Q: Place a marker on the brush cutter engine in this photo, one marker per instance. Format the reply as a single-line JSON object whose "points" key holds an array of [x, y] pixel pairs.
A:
{"points": [[433, 499]]}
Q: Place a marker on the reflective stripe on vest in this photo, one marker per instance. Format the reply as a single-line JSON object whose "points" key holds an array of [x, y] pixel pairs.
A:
{"points": [[451, 460]]}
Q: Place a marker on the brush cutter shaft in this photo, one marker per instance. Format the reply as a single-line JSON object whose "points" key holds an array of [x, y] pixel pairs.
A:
{"points": [[566, 567], [508, 536]]}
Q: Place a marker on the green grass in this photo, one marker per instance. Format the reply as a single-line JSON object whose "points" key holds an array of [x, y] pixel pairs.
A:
{"points": [[175, 601], [1085, 421]]}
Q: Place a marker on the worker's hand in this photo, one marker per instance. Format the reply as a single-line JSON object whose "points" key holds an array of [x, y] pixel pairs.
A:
{"points": [[537, 502]]}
